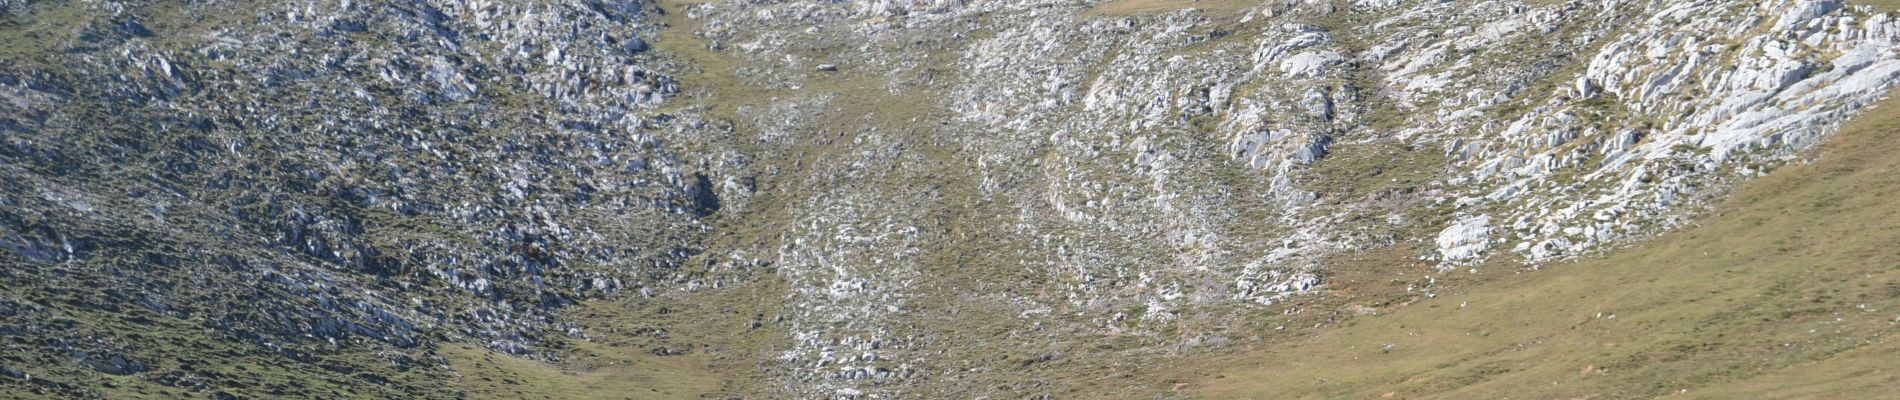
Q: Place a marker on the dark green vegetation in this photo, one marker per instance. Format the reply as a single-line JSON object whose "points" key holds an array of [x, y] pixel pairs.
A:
{"points": [[1788, 290]]}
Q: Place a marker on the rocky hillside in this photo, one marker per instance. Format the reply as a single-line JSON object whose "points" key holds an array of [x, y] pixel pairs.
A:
{"points": [[1785, 291], [817, 199]]}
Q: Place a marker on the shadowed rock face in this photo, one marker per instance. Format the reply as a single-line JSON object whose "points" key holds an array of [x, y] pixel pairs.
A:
{"points": [[312, 178]]}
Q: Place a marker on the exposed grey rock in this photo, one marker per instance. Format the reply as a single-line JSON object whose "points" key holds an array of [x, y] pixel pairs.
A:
{"points": [[116, 365], [1466, 241]]}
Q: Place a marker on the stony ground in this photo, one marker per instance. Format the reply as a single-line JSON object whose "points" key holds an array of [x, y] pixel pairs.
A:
{"points": [[806, 199]]}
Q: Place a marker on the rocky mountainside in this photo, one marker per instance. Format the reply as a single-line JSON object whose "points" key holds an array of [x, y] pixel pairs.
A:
{"points": [[1786, 290], [818, 199]]}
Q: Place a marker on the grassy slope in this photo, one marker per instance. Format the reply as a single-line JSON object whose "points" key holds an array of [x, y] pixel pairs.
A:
{"points": [[1122, 8], [625, 374], [1786, 291], [1878, 5], [715, 352]]}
